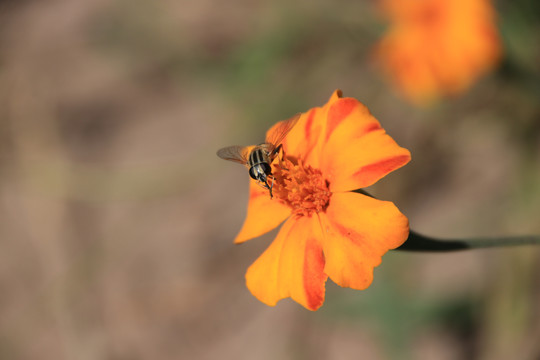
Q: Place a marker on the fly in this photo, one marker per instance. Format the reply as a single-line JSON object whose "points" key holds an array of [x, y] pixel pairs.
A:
{"points": [[258, 158]]}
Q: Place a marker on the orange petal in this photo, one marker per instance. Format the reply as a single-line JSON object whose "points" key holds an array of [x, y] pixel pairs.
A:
{"points": [[292, 266], [358, 152], [303, 141], [463, 33], [358, 230], [300, 139], [313, 157], [263, 213]]}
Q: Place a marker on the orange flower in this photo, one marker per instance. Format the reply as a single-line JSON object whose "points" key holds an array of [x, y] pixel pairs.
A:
{"points": [[438, 47], [329, 231]]}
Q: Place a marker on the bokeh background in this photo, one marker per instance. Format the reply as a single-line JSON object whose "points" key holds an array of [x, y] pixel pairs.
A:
{"points": [[117, 218]]}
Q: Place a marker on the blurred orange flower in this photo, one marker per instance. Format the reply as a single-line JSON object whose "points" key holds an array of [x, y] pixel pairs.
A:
{"points": [[329, 231], [438, 47]]}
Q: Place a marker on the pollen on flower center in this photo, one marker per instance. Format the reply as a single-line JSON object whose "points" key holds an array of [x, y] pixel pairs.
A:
{"points": [[301, 187]]}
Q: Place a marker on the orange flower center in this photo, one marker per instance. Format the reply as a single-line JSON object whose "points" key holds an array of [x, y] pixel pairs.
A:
{"points": [[301, 187]]}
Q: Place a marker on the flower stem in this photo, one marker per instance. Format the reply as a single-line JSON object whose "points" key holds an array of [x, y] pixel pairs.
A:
{"points": [[417, 242]]}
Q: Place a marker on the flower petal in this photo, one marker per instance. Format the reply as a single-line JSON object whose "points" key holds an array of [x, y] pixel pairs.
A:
{"points": [[263, 213], [318, 140], [292, 266], [303, 141], [358, 152], [463, 33], [358, 230]]}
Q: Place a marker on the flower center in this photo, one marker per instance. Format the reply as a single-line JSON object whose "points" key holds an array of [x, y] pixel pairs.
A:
{"points": [[301, 187]]}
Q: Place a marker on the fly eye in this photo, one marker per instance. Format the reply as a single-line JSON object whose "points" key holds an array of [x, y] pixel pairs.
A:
{"points": [[253, 173], [267, 169]]}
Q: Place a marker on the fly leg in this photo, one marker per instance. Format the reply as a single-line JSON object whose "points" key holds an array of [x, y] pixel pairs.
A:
{"points": [[264, 185], [282, 157], [270, 188]]}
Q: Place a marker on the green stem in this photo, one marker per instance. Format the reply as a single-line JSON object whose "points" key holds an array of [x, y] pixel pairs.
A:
{"points": [[417, 242]]}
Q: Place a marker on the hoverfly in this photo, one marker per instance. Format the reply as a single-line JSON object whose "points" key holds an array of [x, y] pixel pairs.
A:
{"points": [[257, 158]]}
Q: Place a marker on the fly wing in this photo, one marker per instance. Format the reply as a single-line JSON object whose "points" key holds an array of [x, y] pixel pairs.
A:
{"points": [[235, 153], [280, 130]]}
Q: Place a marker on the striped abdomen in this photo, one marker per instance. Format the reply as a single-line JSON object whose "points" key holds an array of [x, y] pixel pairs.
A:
{"points": [[259, 164]]}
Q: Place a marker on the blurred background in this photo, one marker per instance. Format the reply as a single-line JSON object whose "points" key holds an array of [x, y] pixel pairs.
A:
{"points": [[117, 217]]}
